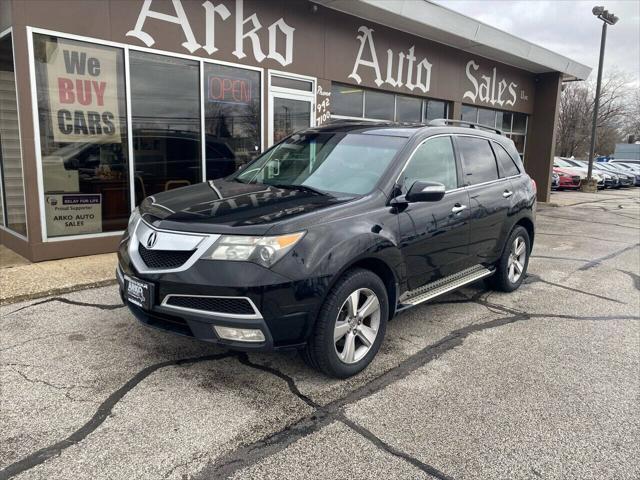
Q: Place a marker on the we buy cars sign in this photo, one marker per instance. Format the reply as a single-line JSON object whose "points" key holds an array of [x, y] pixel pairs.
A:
{"points": [[83, 93]]}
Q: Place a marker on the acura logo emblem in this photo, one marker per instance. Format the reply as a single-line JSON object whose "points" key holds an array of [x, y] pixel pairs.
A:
{"points": [[151, 240]]}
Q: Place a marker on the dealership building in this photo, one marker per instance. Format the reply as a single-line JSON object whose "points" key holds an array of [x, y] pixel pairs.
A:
{"points": [[105, 102]]}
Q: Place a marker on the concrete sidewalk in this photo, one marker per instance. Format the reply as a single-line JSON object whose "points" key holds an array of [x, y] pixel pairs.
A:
{"points": [[22, 280]]}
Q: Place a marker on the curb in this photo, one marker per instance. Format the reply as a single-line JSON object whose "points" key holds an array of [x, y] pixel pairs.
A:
{"points": [[56, 291]]}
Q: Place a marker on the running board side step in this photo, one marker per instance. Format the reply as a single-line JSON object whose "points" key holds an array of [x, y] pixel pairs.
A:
{"points": [[442, 286]]}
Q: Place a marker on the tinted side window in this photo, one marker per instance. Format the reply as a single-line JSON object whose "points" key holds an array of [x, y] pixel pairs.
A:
{"points": [[478, 160], [506, 165], [433, 161]]}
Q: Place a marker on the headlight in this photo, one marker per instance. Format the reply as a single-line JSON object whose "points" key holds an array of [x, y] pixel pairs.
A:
{"points": [[133, 219], [264, 251]]}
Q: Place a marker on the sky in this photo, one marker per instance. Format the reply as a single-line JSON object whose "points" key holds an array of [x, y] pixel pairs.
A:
{"points": [[567, 27]]}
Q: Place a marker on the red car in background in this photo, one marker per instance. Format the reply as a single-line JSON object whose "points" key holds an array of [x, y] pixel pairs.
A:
{"points": [[568, 178]]}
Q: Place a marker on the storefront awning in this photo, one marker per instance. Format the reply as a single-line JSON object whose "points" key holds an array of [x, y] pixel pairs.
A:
{"points": [[435, 22]]}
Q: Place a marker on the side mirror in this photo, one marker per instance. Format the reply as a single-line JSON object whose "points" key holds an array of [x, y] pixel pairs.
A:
{"points": [[425, 192]]}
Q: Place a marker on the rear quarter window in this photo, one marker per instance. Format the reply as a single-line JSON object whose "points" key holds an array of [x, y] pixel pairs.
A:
{"points": [[507, 167]]}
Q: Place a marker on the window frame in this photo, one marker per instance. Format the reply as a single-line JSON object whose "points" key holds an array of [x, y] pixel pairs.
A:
{"points": [[456, 159], [3, 224], [126, 48]]}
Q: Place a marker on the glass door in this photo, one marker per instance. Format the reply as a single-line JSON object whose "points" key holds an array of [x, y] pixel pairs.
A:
{"points": [[291, 106]]}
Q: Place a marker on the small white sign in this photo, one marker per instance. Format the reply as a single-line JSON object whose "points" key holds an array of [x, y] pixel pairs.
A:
{"points": [[73, 214]]}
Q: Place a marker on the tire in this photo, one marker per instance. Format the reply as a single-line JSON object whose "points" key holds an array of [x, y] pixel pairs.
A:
{"points": [[502, 280], [349, 354]]}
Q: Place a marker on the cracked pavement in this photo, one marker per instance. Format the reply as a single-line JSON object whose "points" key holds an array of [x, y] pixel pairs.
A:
{"points": [[540, 383]]}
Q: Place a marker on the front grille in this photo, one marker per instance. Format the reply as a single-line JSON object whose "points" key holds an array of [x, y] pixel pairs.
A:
{"points": [[235, 306], [576, 180], [164, 259]]}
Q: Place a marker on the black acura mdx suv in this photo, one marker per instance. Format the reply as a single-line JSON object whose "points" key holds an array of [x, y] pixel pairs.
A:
{"points": [[322, 239]]}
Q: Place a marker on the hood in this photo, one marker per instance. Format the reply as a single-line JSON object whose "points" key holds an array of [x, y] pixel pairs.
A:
{"points": [[570, 171], [222, 206]]}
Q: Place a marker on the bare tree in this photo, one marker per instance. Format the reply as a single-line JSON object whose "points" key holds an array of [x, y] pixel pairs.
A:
{"points": [[576, 114]]}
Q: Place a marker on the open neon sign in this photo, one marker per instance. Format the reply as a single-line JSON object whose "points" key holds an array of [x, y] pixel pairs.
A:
{"points": [[229, 89]]}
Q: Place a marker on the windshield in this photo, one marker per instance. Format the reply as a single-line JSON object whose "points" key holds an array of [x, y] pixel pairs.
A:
{"points": [[563, 163], [345, 163], [607, 167]]}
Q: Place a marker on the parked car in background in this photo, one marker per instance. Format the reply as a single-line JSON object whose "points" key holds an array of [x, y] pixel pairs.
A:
{"points": [[567, 178], [632, 166], [555, 181], [627, 178], [574, 165], [611, 180], [630, 169]]}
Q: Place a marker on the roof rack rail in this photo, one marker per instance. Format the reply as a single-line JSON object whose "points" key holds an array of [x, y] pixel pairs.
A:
{"points": [[438, 122]]}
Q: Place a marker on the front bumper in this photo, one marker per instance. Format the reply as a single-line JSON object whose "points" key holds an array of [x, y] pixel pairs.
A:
{"points": [[284, 321], [284, 310]]}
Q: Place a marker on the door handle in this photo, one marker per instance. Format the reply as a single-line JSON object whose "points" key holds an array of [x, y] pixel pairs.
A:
{"points": [[457, 208], [507, 193]]}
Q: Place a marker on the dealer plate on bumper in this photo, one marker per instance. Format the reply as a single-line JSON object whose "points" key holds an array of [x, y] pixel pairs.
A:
{"points": [[139, 292]]}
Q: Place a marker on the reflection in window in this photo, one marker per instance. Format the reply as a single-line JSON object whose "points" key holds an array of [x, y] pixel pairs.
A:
{"points": [[519, 123], [478, 161], [332, 162], [506, 166], [435, 109], [433, 161], [232, 121], [346, 100], [378, 105], [12, 209], [82, 117], [487, 117], [507, 117], [291, 83], [469, 114], [408, 109], [289, 116], [165, 114], [519, 141]]}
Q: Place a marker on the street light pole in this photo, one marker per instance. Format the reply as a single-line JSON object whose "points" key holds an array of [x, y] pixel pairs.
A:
{"points": [[592, 148], [608, 18]]}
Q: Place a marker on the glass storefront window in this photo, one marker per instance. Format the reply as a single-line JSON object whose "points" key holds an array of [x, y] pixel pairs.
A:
{"points": [[346, 100], [291, 83], [519, 141], [506, 121], [379, 105], [487, 117], [514, 125], [83, 136], [469, 114], [12, 207], [519, 123], [165, 115], [435, 109], [232, 118], [408, 109]]}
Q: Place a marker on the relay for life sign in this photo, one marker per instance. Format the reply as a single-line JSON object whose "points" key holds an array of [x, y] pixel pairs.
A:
{"points": [[83, 93], [73, 214]]}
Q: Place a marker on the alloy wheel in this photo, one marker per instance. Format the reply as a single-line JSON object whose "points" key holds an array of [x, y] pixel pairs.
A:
{"points": [[517, 259], [357, 325]]}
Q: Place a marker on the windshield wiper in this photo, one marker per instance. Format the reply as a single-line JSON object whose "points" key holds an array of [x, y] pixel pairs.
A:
{"points": [[302, 188]]}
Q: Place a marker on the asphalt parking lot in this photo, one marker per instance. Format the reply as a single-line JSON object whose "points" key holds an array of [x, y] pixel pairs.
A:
{"points": [[540, 383]]}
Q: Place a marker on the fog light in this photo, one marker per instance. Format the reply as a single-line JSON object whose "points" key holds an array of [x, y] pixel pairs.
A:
{"points": [[240, 334]]}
